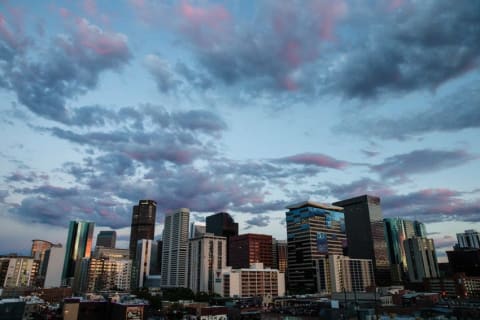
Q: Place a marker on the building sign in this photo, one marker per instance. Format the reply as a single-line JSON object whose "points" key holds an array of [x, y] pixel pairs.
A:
{"points": [[322, 243], [134, 313]]}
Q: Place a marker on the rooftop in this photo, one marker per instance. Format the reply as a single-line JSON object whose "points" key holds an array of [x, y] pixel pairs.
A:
{"points": [[314, 204]]}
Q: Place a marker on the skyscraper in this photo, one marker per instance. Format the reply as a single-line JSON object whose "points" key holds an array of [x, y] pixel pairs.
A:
{"points": [[79, 246], [366, 234], [314, 231], [249, 248], [54, 261], [207, 254], [280, 255], [222, 224], [469, 239], [39, 248], [143, 224], [421, 259], [398, 230], [174, 248], [106, 239]]}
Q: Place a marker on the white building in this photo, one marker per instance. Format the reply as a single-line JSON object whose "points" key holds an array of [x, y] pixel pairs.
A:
{"points": [[350, 275], [206, 254], [469, 239], [17, 272], [250, 282], [174, 249], [146, 249], [421, 259], [54, 258]]}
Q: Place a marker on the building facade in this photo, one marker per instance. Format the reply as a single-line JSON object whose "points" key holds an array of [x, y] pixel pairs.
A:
{"points": [[465, 260], [146, 262], [366, 234], [206, 254], [39, 248], [196, 230], [469, 239], [279, 255], [250, 282], [79, 246], [314, 231], [143, 224], [17, 271], [174, 248], [421, 259], [109, 274], [348, 275], [54, 261], [245, 249], [222, 224], [106, 239]]}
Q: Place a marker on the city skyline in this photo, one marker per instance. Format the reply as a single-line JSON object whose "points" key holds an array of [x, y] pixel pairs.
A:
{"points": [[245, 108]]}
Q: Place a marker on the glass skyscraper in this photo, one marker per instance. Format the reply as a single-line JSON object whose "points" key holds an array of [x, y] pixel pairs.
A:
{"points": [[314, 231], [366, 234], [79, 246]]}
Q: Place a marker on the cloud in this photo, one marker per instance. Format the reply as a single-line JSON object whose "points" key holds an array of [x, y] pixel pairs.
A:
{"points": [[258, 221], [161, 73], [69, 67], [455, 112], [200, 120], [419, 47], [31, 176], [420, 161], [356, 188], [315, 159]]}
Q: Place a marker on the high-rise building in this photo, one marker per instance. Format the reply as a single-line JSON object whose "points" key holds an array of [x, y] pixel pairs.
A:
{"points": [[420, 230], [39, 248], [206, 254], [143, 224], [345, 274], [109, 274], [17, 271], [106, 239], [421, 259], [314, 231], [146, 262], [196, 230], [54, 261], [280, 255], [249, 248], [469, 239], [174, 248], [255, 281], [222, 224], [366, 234], [79, 246]]}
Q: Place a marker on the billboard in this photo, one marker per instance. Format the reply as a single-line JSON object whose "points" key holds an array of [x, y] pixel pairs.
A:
{"points": [[322, 243]]}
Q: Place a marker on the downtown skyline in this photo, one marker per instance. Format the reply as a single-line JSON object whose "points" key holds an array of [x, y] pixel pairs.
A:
{"points": [[244, 107]]}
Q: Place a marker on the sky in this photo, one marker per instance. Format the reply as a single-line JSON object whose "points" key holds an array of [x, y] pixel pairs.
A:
{"points": [[238, 106]]}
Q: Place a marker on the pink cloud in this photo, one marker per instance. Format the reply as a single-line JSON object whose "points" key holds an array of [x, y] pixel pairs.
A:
{"points": [[7, 35], [90, 7], [316, 159], [329, 12], [99, 41]]}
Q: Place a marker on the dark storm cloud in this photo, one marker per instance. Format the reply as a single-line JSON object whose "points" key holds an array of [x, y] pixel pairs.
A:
{"points": [[421, 46], [69, 67], [420, 161], [452, 113], [356, 188], [276, 205], [258, 221]]}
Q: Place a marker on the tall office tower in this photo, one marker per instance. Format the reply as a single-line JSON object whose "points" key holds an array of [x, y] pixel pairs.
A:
{"points": [[396, 231], [468, 239], [222, 224], [54, 261], [39, 247], [206, 254], [196, 230], [421, 259], [79, 246], [174, 248], [347, 274], [146, 262], [279, 253], [106, 239], [314, 231], [366, 234], [17, 271], [143, 224], [249, 248], [420, 230]]}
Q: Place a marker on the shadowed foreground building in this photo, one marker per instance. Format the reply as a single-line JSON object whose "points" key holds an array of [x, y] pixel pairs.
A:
{"points": [[366, 234], [314, 231]]}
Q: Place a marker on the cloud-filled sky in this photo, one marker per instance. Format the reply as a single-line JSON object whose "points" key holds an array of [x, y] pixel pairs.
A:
{"points": [[238, 106]]}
